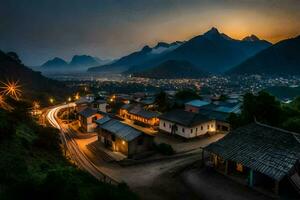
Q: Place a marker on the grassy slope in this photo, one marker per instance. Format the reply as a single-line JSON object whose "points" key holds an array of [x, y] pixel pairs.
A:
{"points": [[32, 165]]}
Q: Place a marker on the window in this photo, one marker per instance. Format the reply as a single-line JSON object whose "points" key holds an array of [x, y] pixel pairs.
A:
{"points": [[212, 126], [191, 130], [170, 126], [201, 127], [183, 130], [164, 124], [207, 126], [196, 130]]}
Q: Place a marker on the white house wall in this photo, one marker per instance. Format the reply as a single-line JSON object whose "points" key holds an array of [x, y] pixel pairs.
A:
{"points": [[188, 132]]}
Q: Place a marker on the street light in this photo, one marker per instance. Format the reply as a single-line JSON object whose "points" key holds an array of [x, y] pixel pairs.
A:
{"points": [[51, 100], [69, 99]]}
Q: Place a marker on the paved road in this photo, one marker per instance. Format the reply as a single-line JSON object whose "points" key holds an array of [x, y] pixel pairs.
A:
{"points": [[72, 147]]}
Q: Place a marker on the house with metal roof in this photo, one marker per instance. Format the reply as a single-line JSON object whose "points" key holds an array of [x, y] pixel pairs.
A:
{"points": [[261, 156], [195, 105], [123, 138], [138, 114], [191, 124], [87, 118]]}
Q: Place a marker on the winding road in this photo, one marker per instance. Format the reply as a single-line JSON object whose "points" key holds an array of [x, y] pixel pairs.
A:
{"points": [[81, 160]]}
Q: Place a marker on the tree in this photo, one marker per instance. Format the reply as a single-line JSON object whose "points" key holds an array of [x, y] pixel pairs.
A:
{"points": [[162, 101], [187, 95]]}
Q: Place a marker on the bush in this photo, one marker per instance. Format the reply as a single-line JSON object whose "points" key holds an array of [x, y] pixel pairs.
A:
{"points": [[165, 149]]}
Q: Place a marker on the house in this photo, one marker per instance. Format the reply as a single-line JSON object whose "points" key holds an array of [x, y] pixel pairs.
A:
{"points": [[87, 118], [258, 155], [138, 114], [195, 105], [82, 103], [198, 106], [123, 138], [101, 105], [190, 124]]}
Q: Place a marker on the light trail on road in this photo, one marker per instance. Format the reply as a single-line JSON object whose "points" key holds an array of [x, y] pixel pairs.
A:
{"points": [[71, 145]]}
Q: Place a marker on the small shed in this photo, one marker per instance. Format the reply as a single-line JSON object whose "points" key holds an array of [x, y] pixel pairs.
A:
{"points": [[123, 138]]}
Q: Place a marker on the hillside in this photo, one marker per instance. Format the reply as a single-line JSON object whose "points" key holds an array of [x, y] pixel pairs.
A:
{"points": [[172, 69], [280, 59], [283, 92], [33, 85], [33, 166], [212, 52]]}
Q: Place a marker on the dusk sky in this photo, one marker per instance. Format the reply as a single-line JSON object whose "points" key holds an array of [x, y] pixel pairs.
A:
{"points": [[42, 29]]}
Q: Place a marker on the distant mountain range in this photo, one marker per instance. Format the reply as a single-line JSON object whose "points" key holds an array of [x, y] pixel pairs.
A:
{"points": [[283, 58], [33, 85], [212, 52], [145, 54], [78, 63], [172, 69]]}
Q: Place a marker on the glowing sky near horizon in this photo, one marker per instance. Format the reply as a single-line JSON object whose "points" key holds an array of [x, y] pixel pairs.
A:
{"points": [[42, 29]]}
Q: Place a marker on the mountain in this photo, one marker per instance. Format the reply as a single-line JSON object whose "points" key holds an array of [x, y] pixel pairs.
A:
{"points": [[213, 52], [55, 62], [145, 54], [78, 63], [280, 59], [172, 69], [83, 60], [34, 86]]}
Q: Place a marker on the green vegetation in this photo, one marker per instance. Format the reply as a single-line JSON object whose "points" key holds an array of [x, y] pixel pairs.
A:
{"points": [[32, 165], [283, 92], [266, 109], [162, 101], [164, 149], [186, 95]]}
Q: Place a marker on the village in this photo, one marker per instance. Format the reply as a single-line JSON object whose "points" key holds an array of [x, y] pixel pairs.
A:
{"points": [[130, 140]]}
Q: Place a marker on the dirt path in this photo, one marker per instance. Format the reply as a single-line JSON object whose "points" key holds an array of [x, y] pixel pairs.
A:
{"points": [[209, 185]]}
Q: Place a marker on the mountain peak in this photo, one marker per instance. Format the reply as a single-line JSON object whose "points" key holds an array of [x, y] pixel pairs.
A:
{"points": [[251, 38], [162, 44], [212, 31], [146, 49]]}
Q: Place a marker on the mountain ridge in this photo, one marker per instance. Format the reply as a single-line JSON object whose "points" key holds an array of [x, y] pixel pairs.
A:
{"points": [[281, 58]]}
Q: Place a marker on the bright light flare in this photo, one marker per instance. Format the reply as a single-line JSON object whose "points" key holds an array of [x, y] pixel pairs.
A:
{"points": [[12, 88]]}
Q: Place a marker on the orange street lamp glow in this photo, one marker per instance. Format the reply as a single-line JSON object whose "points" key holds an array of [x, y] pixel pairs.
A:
{"points": [[51, 100], [12, 89], [77, 96]]}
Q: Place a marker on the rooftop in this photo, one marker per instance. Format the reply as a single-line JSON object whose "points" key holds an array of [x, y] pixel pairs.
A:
{"points": [[184, 117], [140, 111], [121, 130], [197, 103], [268, 150], [103, 120], [87, 112]]}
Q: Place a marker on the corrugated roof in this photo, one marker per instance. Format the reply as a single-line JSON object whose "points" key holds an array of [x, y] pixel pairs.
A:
{"points": [[103, 120], [265, 149], [184, 117], [140, 111], [197, 103], [87, 112], [121, 130]]}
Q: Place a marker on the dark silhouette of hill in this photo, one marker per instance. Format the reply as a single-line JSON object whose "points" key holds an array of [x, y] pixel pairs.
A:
{"points": [[283, 58], [172, 69]]}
